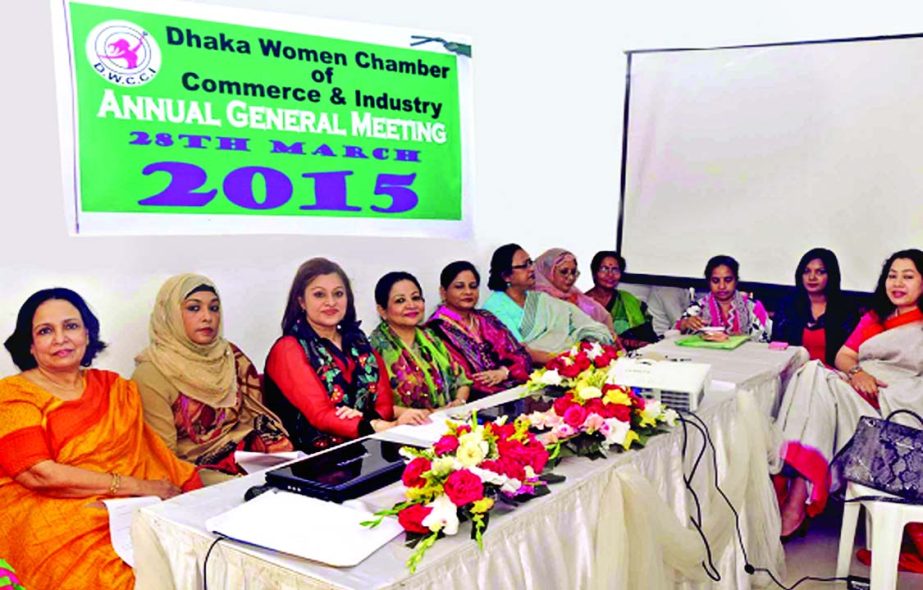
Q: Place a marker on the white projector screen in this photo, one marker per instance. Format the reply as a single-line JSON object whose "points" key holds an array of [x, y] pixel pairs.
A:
{"points": [[765, 152]]}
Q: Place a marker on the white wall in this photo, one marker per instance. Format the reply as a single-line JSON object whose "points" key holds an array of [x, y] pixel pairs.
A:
{"points": [[549, 83]]}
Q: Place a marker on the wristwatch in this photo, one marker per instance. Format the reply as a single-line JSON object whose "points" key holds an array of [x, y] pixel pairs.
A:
{"points": [[854, 369]]}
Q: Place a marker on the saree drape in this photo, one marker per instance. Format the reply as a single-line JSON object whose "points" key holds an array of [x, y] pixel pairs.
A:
{"points": [[64, 543], [820, 410], [545, 323]]}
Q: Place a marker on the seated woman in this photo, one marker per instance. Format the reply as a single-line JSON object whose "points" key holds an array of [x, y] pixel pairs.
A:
{"points": [[725, 306], [880, 368], [322, 378], [70, 437], [544, 325], [817, 316], [476, 339], [201, 393], [555, 274], [630, 317], [423, 373]]}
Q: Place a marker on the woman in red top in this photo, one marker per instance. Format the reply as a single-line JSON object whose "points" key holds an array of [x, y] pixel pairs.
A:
{"points": [[322, 377], [879, 371], [817, 316]]}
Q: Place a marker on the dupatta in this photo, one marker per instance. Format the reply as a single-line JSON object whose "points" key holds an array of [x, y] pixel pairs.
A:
{"points": [[422, 375], [544, 269]]}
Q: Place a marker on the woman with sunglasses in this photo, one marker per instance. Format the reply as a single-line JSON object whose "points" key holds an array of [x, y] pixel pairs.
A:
{"points": [[555, 274], [545, 325]]}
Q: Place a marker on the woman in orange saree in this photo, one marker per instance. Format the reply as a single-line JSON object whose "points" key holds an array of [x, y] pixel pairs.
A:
{"points": [[70, 437]]}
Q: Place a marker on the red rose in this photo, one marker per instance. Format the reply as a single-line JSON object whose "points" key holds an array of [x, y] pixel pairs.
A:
{"points": [[570, 371], [464, 428], [506, 466], [621, 413], [562, 403], [595, 406], [446, 444], [413, 472], [609, 410], [575, 415], [411, 518], [636, 400], [603, 360], [502, 431], [582, 361], [538, 456], [463, 487], [513, 450]]}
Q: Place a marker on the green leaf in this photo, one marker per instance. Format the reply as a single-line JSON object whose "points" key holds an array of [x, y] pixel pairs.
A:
{"points": [[422, 547]]}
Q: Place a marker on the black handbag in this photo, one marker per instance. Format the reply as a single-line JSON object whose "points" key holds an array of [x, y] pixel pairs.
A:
{"points": [[885, 456]]}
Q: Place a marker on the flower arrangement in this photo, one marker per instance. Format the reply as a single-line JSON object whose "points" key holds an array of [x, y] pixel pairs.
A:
{"points": [[592, 413], [462, 477]]}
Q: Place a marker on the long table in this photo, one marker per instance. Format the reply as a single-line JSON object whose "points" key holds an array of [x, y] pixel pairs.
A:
{"points": [[753, 366], [622, 522]]}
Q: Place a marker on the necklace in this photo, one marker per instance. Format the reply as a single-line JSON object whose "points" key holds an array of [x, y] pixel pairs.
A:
{"points": [[63, 391]]}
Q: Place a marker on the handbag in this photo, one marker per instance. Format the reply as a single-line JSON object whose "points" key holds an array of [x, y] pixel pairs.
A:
{"points": [[885, 456]]}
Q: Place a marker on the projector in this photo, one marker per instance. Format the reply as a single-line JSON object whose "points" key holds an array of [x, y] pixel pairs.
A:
{"points": [[677, 384]]}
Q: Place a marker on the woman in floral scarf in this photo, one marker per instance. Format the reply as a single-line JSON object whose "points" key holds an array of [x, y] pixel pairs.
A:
{"points": [[725, 306], [322, 377], [488, 352], [423, 373]]}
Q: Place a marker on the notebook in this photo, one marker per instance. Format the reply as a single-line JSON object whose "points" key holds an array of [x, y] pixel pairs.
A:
{"points": [[696, 341]]}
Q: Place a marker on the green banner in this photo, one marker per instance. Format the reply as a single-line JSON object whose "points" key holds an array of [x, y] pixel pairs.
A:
{"points": [[187, 116]]}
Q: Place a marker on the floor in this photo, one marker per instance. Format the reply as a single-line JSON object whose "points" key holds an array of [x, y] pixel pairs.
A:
{"points": [[815, 555]]}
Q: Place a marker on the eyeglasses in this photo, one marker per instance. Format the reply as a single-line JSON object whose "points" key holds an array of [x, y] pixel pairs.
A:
{"points": [[569, 272], [609, 270], [527, 264]]}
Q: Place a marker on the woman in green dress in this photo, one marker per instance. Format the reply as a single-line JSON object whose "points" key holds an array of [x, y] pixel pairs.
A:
{"points": [[630, 317]]}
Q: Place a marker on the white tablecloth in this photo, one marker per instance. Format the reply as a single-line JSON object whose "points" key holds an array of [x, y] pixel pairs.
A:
{"points": [[752, 366], [622, 522]]}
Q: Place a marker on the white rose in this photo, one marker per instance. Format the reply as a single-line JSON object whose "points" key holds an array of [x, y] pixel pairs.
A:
{"points": [[488, 476], [444, 516], [595, 350], [551, 377], [670, 416], [617, 431]]}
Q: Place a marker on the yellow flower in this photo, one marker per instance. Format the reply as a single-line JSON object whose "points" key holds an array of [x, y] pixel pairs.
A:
{"points": [[483, 505], [442, 465], [425, 493], [617, 396], [630, 438], [652, 411], [471, 453], [589, 392]]}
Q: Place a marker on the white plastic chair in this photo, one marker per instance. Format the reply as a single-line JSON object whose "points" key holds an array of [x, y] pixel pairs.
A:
{"points": [[886, 521]]}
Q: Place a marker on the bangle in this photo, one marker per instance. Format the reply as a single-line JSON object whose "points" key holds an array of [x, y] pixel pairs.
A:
{"points": [[852, 371], [115, 484]]}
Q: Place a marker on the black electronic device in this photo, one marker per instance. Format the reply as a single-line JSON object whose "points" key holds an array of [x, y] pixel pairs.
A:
{"points": [[342, 473]]}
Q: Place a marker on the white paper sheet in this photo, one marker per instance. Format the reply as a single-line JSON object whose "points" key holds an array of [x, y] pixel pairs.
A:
{"points": [[305, 527], [422, 435], [252, 462], [121, 511]]}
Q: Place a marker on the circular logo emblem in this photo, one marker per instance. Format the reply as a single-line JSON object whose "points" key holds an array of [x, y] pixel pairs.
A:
{"points": [[123, 53]]}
